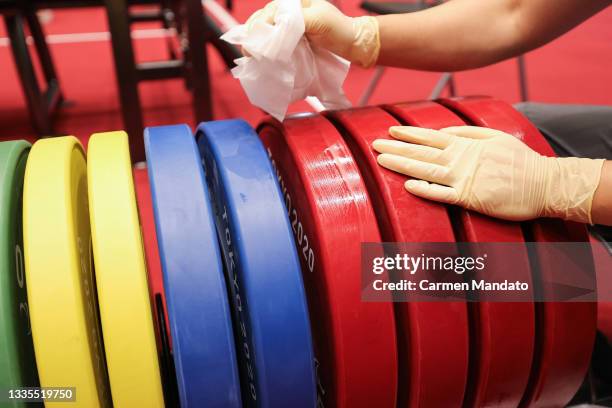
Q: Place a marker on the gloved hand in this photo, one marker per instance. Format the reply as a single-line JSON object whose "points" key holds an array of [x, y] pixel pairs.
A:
{"points": [[354, 38], [490, 172]]}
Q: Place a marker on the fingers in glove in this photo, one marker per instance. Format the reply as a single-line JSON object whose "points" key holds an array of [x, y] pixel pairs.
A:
{"points": [[473, 132], [415, 168], [422, 136], [410, 150], [430, 191], [314, 24]]}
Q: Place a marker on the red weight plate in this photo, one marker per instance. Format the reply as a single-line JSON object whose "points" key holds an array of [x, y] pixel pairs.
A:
{"points": [[601, 257], [147, 222], [566, 330], [423, 346], [499, 363], [331, 214]]}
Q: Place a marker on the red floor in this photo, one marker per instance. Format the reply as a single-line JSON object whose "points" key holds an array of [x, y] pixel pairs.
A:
{"points": [[576, 68]]}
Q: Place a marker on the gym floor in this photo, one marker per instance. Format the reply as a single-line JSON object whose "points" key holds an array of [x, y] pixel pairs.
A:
{"points": [[577, 68], [547, 354]]}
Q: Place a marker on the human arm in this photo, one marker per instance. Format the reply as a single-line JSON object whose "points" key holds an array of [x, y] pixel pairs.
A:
{"points": [[465, 34], [457, 35], [493, 173]]}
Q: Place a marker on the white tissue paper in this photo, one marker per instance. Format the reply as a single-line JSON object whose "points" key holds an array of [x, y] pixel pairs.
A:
{"points": [[283, 66]]}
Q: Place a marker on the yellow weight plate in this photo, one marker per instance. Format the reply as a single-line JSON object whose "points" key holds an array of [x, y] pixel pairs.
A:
{"points": [[123, 294], [61, 288]]}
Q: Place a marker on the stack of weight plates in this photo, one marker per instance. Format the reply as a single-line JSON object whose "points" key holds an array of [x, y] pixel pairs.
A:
{"points": [[566, 330], [227, 272], [480, 354], [331, 214], [17, 365]]}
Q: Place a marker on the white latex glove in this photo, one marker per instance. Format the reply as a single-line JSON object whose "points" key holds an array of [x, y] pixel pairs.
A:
{"points": [[356, 39], [490, 172]]}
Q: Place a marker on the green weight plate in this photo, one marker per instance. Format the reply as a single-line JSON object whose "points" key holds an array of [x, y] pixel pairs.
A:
{"points": [[17, 363]]}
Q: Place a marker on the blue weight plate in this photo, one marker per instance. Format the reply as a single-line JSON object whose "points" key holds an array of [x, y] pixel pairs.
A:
{"points": [[196, 293], [268, 297]]}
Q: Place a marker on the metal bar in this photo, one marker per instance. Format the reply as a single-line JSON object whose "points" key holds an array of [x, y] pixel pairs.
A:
{"points": [[367, 94], [451, 86], [225, 19], [440, 85], [228, 52], [29, 83], [146, 15], [197, 66], [96, 36], [127, 75], [53, 96], [522, 70], [42, 49], [154, 70]]}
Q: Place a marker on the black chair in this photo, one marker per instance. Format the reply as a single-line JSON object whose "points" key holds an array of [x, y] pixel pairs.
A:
{"points": [[186, 18], [195, 29], [41, 102]]}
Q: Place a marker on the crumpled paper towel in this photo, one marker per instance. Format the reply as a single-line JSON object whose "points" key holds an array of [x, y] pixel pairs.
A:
{"points": [[283, 67]]}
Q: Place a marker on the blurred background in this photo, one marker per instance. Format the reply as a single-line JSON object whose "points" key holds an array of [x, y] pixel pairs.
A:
{"points": [[577, 68]]}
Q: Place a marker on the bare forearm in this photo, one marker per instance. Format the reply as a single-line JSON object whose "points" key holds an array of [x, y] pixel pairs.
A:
{"points": [[464, 34], [601, 210]]}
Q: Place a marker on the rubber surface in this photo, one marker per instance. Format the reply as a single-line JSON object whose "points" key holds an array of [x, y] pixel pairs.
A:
{"points": [[149, 238], [268, 297], [17, 362], [499, 363], [196, 294], [121, 277], [601, 258], [61, 283], [331, 214], [423, 347], [566, 331], [156, 285]]}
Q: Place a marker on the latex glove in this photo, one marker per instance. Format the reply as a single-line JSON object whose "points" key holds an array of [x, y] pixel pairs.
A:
{"points": [[356, 39], [491, 172]]}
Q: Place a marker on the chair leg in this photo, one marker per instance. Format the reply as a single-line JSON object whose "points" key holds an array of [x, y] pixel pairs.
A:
{"points": [[197, 63], [451, 86], [367, 94], [127, 76], [52, 96], [522, 71], [168, 20], [42, 49], [445, 80], [29, 83], [229, 52]]}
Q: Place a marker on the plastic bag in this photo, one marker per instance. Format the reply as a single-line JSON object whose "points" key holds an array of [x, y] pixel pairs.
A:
{"points": [[283, 66]]}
